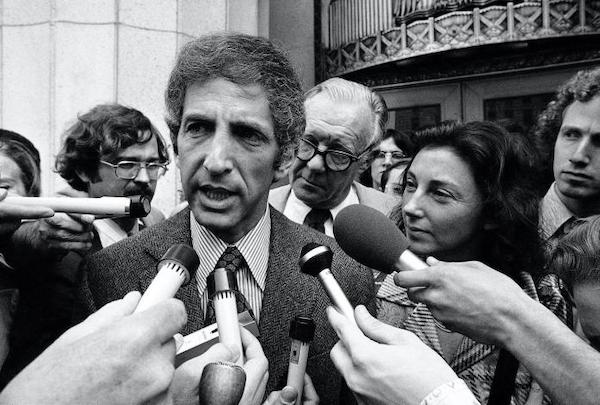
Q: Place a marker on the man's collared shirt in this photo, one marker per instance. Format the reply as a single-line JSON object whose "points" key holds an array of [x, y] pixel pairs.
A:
{"points": [[254, 246], [296, 210], [553, 213], [110, 232]]}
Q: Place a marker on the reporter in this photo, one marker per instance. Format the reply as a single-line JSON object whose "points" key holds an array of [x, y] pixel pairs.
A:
{"points": [[113, 357], [473, 299], [385, 365]]}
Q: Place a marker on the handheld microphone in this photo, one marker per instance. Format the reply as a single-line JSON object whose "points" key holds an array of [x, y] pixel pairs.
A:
{"points": [[135, 206], [222, 383], [174, 270], [222, 287], [371, 238], [302, 331], [315, 260]]}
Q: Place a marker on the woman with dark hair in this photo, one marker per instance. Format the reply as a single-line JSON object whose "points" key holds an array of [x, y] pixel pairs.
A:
{"points": [[468, 196]]}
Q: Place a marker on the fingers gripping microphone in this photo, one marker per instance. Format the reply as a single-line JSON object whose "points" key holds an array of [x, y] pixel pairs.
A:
{"points": [[222, 287], [371, 238], [302, 331], [174, 270], [135, 206], [222, 383], [315, 260]]}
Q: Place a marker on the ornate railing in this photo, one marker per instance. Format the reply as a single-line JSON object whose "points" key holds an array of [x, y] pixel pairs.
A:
{"points": [[497, 23], [351, 19]]}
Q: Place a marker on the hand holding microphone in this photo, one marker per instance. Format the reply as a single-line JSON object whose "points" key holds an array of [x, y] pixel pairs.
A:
{"points": [[383, 364]]}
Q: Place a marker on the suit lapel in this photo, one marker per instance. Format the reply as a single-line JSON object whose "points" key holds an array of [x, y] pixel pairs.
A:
{"points": [[287, 293], [175, 230]]}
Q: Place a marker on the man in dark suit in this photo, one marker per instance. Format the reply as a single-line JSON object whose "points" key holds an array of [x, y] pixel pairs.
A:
{"points": [[235, 111]]}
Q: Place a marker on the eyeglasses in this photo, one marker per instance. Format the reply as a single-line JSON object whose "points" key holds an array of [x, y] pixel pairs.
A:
{"points": [[335, 160], [128, 170], [394, 155]]}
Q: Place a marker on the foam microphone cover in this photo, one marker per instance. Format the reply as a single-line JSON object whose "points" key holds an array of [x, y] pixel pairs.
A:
{"points": [[222, 383], [369, 237]]}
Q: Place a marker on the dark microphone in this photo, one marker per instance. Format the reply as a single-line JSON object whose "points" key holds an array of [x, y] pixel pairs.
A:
{"points": [[315, 260], [222, 383], [135, 206], [222, 288], [302, 331], [174, 270], [371, 238]]}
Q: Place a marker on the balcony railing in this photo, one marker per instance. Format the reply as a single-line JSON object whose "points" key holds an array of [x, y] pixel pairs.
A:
{"points": [[360, 38]]}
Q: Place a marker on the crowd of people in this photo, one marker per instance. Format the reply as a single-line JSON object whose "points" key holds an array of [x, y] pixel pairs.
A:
{"points": [[506, 312]]}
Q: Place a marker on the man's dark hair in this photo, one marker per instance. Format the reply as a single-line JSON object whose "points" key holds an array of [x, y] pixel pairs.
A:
{"points": [[102, 133], [243, 60]]}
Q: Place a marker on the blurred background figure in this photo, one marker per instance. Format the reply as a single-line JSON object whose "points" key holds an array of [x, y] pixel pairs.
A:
{"points": [[20, 175], [467, 196], [392, 179], [396, 149]]}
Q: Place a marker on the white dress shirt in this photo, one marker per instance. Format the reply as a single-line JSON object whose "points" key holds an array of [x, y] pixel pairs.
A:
{"points": [[296, 210], [254, 246]]}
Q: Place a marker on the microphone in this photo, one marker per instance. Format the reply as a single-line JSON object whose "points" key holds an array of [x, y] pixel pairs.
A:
{"points": [[135, 206], [302, 331], [222, 288], [371, 238], [222, 383], [174, 270], [315, 260]]}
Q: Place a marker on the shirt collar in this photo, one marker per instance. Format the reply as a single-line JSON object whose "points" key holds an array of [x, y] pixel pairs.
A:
{"points": [[298, 210], [553, 212], [254, 246], [110, 232]]}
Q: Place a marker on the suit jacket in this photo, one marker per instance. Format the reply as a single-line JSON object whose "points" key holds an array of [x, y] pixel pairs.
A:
{"points": [[131, 265], [367, 196]]}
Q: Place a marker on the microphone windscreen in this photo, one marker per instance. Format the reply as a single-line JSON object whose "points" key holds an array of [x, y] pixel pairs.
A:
{"points": [[222, 383], [369, 237], [184, 255], [315, 258]]}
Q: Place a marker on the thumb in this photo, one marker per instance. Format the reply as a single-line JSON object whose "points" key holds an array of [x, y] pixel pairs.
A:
{"points": [[432, 261], [288, 395], [374, 329]]}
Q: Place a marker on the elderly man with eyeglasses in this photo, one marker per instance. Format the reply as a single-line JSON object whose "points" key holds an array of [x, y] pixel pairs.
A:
{"points": [[111, 150], [344, 125]]}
